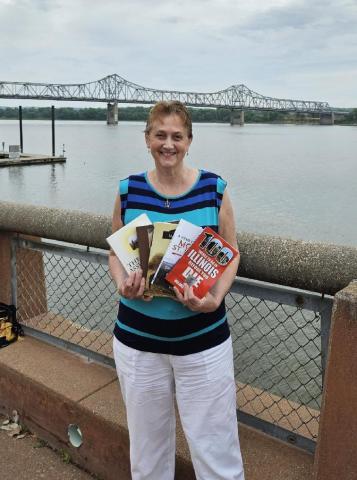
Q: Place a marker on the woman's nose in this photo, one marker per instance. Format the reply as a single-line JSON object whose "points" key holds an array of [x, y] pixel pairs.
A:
{"points": [[168, 142]]}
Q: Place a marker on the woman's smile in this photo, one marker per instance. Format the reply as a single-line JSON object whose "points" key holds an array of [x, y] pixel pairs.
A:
{"points": [[168, 141]]}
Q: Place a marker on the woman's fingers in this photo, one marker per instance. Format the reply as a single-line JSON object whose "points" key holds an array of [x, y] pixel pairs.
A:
{"points": [[147, 298], [189, 299], [141, 287], [133, 286], [138, 275], [179, 295]]}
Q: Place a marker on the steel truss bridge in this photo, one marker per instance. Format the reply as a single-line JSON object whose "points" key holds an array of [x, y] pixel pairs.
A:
{"points": [[115, 89]]}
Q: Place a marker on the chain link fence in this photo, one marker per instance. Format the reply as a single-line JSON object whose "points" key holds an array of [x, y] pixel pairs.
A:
{"points": [[68, 297], [277, 352], [66, 292]]}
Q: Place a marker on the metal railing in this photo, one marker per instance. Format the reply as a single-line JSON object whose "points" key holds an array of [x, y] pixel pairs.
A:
{"points": [[65, 296]]}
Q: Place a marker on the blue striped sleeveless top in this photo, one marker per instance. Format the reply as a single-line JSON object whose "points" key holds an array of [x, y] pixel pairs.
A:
{"points": [[164, 325]]}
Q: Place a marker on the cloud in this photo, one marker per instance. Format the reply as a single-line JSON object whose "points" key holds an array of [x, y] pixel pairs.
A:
{"points": [[277, 47]]}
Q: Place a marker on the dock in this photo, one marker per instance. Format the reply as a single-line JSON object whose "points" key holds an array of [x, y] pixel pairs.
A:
{"points": [[29, 159]]}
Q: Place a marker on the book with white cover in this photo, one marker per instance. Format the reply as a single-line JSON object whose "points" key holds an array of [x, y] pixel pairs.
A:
{"points": [[185, 234], [124, 242]]}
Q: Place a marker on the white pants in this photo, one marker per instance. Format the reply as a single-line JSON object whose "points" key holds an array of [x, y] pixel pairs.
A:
{"points": [[206, 398]]}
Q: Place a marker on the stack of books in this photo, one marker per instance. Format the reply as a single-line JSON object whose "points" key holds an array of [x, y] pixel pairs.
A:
{"points": [[172, 254]]}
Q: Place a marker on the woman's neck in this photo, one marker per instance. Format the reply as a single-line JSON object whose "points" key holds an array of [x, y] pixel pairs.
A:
{"points": [[173, 182]]}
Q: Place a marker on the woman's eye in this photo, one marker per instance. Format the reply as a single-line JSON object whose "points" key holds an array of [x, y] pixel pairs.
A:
{"points": [[160, 135]]}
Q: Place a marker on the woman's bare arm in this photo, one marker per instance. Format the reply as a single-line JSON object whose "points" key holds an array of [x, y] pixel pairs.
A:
{"points": [[129, 286], [214, 297]]}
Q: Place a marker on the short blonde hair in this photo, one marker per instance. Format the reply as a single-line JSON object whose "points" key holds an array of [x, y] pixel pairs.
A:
{"points": [[163, 109]]}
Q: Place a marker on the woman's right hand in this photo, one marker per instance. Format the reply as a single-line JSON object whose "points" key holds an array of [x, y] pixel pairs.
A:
{"points": [[133, 287]]}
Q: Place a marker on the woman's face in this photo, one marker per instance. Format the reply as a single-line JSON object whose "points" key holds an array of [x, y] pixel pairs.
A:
{"points": [[168, 141]]}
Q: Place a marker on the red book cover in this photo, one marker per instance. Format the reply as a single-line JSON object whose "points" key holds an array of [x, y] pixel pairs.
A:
{"points": [[203, 263]]}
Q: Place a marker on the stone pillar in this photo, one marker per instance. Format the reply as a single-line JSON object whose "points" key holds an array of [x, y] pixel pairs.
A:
{"points": [[31, 282], [5, 267], [327, 118], [237, 117], [112, 114], [336, 452]]}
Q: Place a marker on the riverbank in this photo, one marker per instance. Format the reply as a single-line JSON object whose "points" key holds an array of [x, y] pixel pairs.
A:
{"points": [[139, 113]]}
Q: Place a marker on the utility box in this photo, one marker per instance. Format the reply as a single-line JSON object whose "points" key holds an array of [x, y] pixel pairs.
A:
{"points": [[14, 152]]}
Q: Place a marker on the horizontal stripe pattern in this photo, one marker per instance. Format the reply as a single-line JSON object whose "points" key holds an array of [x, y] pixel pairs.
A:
{"points": [[200, 217], [169, 330], [165, 325], [159, 307], [208, 338], [204, 198]]}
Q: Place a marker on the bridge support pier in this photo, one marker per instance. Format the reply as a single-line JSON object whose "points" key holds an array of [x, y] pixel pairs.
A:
{"points": [[237, 117], [112, 114], [327, 118]]}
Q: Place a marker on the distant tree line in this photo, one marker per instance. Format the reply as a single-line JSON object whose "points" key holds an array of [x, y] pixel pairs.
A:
{"points": [[350, 118], [138, 113]]}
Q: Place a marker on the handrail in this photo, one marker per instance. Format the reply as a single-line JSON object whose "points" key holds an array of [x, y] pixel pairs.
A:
{"points": [[313, 266]]}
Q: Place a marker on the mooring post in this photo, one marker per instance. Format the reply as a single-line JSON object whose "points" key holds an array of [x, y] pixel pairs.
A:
{"points": [[20, 124], [53, 130]]}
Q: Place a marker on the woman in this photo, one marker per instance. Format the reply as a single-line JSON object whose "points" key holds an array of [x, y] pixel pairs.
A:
{"points": [[165, 348]]}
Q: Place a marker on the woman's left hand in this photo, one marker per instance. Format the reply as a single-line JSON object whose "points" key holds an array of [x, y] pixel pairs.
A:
{"points": [[209, 303]]}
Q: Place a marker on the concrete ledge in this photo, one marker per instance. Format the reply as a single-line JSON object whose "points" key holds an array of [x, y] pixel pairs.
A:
{"points": [[52, 388], [313, 266], [46, 386], [66, 225]]}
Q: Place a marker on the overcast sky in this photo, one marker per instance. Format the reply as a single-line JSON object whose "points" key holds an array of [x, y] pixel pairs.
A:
{"points": [[299, 49]]}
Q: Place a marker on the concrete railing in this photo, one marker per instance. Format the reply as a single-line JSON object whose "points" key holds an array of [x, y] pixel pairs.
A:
{"points": [[323, 268], [317, 267]]}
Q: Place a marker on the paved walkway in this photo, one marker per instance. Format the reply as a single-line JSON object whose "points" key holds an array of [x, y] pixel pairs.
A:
{"points": [[30, 459]]}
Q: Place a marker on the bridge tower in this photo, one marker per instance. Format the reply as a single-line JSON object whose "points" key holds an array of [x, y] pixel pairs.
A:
{"points": [[237, 117], [112, 113], [327, 118]]}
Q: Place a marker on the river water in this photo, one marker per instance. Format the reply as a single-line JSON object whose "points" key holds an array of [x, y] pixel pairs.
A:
{"points": [[295, 181]]}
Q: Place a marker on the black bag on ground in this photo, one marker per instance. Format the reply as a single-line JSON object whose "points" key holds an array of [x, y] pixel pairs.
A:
{"points": [[10, 329]]}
